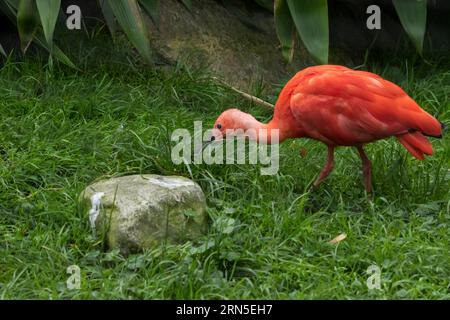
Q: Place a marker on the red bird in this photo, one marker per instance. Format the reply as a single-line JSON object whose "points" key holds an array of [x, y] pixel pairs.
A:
{"points": [[341, 107]]}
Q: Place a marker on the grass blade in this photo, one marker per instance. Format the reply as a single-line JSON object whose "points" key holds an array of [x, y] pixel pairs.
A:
{"points": [[27, 22], [129, 17], [311, 20], [152, 8], [413, 16], [285, 28], [48, 11], [2, 51]]}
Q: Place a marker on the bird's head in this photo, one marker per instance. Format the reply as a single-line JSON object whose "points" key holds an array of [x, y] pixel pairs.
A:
{"points": [[231, 119]]}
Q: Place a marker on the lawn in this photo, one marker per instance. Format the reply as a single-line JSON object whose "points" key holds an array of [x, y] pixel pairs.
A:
{"points": [[61, 129]]}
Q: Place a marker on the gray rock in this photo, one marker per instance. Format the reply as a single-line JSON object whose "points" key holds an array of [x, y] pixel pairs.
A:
{"points": [[142, 211]]}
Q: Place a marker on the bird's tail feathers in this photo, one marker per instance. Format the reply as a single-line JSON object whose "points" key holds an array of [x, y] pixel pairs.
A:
{"points": [[416, 143]]}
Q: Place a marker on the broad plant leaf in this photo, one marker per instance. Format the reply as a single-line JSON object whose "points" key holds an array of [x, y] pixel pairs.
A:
{"points": [[130, 19], [413, 16], [152, 8], [311, 20], [285, 28], [9, 8], [27, 22], [108, 14], [40, 39], [48, 11]]}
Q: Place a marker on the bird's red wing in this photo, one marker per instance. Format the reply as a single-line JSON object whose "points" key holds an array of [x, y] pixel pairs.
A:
{"points": [[346, 107]]}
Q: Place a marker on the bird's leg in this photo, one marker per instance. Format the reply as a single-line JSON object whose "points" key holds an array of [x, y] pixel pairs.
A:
{"points": [[367, 169], [327, 168]]}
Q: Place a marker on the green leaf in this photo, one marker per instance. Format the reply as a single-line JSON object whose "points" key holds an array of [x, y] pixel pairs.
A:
{"points": [[152, 8], [225, 225], [48, 11], [27, 22], [109, 16], [129, 17], [311, 20], [92, 256], [229, 210], [61, 56], [230, 255], [428, 208], [187, 4], [203, 247], [285, 29], [9, 8], [413, 16], [135, 262], [13, 5], [111, 256]]}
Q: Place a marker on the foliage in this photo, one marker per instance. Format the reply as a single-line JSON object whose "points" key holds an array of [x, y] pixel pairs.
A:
{"points": [[413, 16], [311, 21], [129, 17], [36, 17], [308, 19]]}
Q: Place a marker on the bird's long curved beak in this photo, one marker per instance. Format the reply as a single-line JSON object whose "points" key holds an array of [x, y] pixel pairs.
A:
{"points": [[206, 143], [216, 135]]}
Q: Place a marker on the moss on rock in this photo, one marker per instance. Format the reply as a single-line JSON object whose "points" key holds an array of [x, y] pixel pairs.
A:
{"points": [[142, 211]]}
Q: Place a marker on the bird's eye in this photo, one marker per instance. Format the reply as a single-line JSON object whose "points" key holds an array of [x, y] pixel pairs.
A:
{"points": [[219, 126]]}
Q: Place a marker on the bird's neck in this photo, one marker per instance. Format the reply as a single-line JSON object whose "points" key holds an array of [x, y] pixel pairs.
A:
{"points": [[269, 133]]}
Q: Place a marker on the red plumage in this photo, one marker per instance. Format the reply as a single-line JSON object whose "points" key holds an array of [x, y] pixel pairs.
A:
{"points": [[343, 107]]}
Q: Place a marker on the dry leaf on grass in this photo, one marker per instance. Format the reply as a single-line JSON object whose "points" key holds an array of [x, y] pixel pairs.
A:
{"points": [[338, 239]]}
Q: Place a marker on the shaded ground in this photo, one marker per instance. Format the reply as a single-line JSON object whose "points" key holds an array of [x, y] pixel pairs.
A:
{"points": [[240, 46]]}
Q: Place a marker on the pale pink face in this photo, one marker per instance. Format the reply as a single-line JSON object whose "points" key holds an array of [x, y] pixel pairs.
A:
{"points": [[228, 120]]}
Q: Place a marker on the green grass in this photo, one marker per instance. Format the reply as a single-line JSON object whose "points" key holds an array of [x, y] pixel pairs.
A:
{"points": [[60, 130]]}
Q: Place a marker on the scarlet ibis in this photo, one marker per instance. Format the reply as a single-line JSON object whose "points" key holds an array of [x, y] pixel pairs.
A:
{"points": [[341, 107]]}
